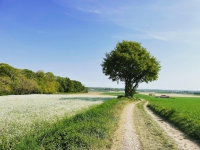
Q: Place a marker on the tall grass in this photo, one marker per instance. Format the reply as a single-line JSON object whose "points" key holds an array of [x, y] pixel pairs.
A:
{"points": [[92, 129], [31, 114]]}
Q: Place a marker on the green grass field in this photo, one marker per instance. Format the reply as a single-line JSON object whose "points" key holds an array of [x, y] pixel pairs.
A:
{"points": [[183, 112]]}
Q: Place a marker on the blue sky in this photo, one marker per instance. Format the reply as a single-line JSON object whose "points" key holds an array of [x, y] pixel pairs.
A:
{"points": [[70, 37]]}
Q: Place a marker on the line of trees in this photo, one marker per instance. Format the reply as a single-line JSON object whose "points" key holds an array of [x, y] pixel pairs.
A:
{"points": [[24, 81]]}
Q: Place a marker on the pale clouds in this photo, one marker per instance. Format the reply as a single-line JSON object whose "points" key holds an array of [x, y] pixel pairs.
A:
{"points": [[188, 36], [160, 20]]}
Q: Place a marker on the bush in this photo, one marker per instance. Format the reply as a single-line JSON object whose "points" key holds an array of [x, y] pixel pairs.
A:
{"points": [[120, 96]]}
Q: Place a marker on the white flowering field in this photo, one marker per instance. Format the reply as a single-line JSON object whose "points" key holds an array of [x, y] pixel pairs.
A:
{"points": [[24, 114]]}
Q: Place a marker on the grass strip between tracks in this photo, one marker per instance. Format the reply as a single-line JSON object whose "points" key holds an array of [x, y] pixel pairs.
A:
{"points": [[151, 135]]}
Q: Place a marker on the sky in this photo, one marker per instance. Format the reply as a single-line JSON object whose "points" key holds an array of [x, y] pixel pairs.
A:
{"points": [[70, 37]]}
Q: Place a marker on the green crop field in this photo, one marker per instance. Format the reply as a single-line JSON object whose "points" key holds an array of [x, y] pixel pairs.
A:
{"points": [[184, 112]]}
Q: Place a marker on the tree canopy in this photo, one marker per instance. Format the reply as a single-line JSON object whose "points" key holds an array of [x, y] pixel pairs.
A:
{"points": [[24, 81], [131, 63]]}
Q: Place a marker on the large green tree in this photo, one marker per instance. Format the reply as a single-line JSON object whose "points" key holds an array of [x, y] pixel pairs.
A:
{"points": [[131, 63]]}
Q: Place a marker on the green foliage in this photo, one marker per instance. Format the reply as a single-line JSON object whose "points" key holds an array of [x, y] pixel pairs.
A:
{"points": [[14, 81], [85, 90], [92, 129], [129, 62], [120, 96], [78, 86], [24, 81], [5, 87], [29, 74], [150, 94], [47, 82], [67, 85], [182, 112]]}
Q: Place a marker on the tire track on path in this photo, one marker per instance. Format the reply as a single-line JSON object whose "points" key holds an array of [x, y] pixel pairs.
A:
{"points": [[181, 140]]}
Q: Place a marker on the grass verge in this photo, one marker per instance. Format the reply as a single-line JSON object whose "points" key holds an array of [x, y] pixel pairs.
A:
{"points": [[190, 126], [151, 136], [92, 129], [183, 112]]}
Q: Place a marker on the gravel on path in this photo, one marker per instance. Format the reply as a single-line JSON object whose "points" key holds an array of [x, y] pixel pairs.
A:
{"points": [[126, 137]]}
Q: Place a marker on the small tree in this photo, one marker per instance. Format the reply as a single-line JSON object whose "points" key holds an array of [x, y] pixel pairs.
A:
{"points": [[131, 63]]}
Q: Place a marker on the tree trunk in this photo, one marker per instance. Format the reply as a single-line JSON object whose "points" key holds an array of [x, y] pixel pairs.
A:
{"points": [[126, 90], [132, 92], [129, 90]]}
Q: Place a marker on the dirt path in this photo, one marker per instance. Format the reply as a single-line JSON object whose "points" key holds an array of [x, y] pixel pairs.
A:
{"points": [[151, 136], [126, 137], [179, 137]]}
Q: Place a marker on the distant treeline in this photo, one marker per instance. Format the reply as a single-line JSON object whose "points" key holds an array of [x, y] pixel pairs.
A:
{"points": [[24, 81]]}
